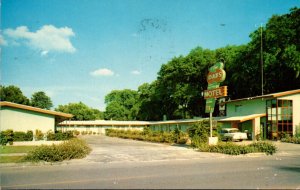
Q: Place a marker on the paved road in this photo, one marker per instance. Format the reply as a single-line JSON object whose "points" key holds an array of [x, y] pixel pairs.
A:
{"points": [[119, 163]]}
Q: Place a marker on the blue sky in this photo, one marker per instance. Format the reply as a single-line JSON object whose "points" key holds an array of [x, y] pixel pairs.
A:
{"points": [[80, 50]]}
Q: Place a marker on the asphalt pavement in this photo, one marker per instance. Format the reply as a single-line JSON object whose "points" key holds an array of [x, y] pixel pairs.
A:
{"points": [[128, 164]]}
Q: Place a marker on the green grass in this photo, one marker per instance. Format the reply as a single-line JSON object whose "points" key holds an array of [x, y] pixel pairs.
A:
{"points": [[11, 159], [16, 149]]}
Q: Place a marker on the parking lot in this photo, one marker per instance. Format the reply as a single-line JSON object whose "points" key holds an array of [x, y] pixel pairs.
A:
{"points": [[112, 149]]}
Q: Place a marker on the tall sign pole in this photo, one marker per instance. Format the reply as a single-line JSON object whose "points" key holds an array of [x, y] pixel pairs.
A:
{"points": [[215, 76]]}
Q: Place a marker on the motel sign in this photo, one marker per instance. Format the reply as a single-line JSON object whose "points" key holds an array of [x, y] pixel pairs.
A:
{"points": [[215, 76]]}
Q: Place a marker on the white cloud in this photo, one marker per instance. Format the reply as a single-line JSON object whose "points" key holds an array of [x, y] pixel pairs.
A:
{"points": [[2, 41], [102, 72], [47, 38], [44, 53], [136, 72]]}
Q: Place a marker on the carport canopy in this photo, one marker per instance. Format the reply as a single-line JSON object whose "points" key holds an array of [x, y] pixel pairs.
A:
{"points": [[242, 118]]}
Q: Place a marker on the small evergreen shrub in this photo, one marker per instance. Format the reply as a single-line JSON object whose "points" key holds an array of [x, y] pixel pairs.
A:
{"points": [[72, 149], [76, 133], [268, 148], [148, 135], [6, 136], [39, 135], [22, 136], [199, 133], [234, 149], [59, 136], [288, 139]]}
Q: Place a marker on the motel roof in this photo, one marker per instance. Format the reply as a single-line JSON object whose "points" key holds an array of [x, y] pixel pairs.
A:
{"points": [[267, 96], [58, 115], [126, 123], [242, 118]]}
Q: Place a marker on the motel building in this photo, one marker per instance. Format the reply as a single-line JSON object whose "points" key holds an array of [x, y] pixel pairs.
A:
{"points": [[262, 117], [24, 118], [265, 117]]}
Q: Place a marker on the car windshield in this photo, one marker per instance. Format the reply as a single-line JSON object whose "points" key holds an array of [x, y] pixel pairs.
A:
{"points": [[234, 131]]}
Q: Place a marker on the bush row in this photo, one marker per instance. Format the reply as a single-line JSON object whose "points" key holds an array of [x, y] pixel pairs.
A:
{"points": [[9, 136], [175, 136], [234, 149], [289, 139], [59, 136], [72, 149]]}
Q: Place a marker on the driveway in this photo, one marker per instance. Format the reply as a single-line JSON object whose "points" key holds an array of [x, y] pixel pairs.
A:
{"points": [[112, 149]]}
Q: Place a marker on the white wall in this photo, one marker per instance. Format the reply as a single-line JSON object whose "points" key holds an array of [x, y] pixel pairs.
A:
{"points": [[23, 120], [246, 107]]}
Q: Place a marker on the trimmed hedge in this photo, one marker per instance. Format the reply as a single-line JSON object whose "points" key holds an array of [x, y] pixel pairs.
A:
{"points": [[6, 136], [234, 149], [22, 136], [59, 136], [72, 149], [288, 139], [175, 136]]}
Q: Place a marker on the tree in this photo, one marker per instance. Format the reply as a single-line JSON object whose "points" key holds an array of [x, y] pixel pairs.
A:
{"points": [[41, 100], [177, 91], [122, 105], [149, 102], [80, 111], [13, 94]]}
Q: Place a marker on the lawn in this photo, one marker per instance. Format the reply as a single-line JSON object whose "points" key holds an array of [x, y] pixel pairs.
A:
{"points": [[12, 150], [16, 149], [11, 159]]}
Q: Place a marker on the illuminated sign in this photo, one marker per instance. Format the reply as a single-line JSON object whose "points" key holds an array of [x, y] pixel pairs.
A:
{"points": [[215, 76], [216, 93]]}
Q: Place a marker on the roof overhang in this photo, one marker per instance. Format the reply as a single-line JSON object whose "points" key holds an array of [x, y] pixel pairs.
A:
{"points": [[126, 123], [267, 96], [59, 116], [242, 118]]}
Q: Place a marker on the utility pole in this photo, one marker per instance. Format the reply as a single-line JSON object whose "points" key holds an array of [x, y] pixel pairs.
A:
{"points": [[261, 61]]}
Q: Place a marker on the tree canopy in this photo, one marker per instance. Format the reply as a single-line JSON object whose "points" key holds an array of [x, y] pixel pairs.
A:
{"points": [[80, 111], [177, 91], [41, 100], [13, 94], [121, 105]]}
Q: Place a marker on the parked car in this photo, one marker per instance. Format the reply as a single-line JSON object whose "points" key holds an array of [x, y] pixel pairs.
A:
{"points": [[232, 134]]}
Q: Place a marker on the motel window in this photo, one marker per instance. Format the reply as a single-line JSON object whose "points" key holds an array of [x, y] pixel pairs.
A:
{"points": [[279, 117]]}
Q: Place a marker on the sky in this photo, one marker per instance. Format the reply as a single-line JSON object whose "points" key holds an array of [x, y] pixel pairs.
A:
{"points": [[80, 50]]}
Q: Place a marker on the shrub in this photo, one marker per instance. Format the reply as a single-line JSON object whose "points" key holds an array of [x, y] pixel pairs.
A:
{"points": [[148, 135], [22, 136], [199, 132], [287, 138], [76, 133], [268, 148], [72, 149], [6, 136], [59, 136], [234, 149], [39, 135]]}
